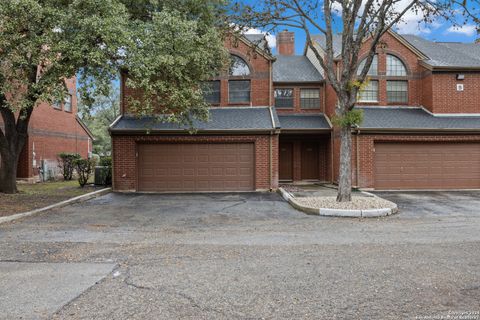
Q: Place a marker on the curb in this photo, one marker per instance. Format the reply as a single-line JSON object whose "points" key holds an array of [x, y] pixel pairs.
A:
{"points": [[83, 197], [369, 213]]}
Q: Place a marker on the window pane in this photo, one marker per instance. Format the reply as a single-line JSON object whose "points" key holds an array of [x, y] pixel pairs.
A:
{"points": [[395, 67], [283, 98], [397, 91], [57, 105], [370, 93], [310, 98], [373, 71], [67, 104], [239, 91], [238, 66], [211, 91]]}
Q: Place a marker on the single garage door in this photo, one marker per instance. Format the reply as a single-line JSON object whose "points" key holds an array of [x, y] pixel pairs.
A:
{"points": [[196, 167], [427, 165]]}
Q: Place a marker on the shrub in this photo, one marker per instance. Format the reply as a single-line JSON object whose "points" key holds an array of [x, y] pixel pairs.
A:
{"points": [[106, 170], [66, 162], [84, 169]]}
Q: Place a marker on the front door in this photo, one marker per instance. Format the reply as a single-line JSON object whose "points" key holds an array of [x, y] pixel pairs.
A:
{"points": [[286, 161], [310, 161]]}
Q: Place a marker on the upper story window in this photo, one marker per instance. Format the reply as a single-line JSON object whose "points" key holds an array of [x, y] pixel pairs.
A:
{"points": [[373, 71], [67, 103], [57, 105], [239, 91], [283, 98], [238, 66], [369, 93], [310, 98], [395, 67], [211, 91], [397, 91]]}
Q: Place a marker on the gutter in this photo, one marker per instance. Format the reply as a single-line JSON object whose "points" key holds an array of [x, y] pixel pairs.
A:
{"points": [[419, 130]]}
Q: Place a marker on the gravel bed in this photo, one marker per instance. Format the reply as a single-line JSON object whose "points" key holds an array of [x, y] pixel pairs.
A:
{"points": [[357, 203]]}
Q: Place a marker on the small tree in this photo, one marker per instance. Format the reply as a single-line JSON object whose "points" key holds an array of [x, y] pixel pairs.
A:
{"points": [[84, 169], [362, 25], [66, 163], [106, 170]]}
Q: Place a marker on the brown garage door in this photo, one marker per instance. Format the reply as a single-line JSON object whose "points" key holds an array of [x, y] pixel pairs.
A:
{"points": [[196, 167], [427, 165]]}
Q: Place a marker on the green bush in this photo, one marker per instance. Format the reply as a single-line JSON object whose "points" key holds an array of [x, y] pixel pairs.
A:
{"points": [[106, 170], [66, 162], [84, 169]]}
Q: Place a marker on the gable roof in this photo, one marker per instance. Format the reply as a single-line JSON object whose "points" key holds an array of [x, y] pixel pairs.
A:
{"points": [[295, 69], [258, 39], [85, 128], [414, 118], [337, 43], [447, 54], [234, 119]]}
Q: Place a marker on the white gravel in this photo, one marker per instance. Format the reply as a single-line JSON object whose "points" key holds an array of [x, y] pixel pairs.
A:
{"points": [[357, 203]]}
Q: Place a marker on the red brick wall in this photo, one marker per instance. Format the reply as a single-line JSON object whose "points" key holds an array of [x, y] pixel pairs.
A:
{"points": [[366, 155], [53, 131], [296, 98], [124, 156], [445, 97]]}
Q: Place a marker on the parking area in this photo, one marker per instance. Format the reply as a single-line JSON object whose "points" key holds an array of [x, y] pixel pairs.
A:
{"points": [[242, 256]]}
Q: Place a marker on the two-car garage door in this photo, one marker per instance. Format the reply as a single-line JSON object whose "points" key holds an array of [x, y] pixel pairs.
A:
{"points": [[432, 165], [196, 167]]}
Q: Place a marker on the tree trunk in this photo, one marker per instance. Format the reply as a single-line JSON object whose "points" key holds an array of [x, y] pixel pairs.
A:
{"points": [[8, 171], [345, 175]]}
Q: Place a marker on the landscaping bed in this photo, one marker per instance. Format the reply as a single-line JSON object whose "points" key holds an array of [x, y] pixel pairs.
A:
{"points": [[39, 195], [357, 203]]}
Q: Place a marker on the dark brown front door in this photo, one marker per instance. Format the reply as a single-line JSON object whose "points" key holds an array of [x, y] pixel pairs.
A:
{"points": [[427, 165], [196, 167], [309, 161], [286, 161]]}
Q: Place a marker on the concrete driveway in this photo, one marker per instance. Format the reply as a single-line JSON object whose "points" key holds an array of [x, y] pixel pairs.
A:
{"points": [[241, 256]]}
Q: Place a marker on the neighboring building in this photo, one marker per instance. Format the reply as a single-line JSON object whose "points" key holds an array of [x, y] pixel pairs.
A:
{"points": [[270, 123], [53, 129]]}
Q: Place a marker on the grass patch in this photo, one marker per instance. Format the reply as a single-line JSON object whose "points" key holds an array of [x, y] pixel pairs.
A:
{"points": [[39, 195]]}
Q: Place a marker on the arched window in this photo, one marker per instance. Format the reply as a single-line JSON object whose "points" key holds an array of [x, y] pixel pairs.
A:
{"points": [[373, 71], [238, 66], [395, 67]]}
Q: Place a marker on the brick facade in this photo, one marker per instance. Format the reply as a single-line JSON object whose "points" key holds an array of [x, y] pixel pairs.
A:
{"points": [[125, 160], [52, 131]]}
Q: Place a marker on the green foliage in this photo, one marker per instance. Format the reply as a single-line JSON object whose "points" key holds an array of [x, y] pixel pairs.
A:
{"points": [[66, 162], [84, 169], [106, 170], [351, 119], [98, 116]]}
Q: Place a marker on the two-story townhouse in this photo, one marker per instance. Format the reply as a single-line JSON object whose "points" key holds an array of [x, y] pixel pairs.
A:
{"points": [[421, 127], [53, 129], [269, 122]]}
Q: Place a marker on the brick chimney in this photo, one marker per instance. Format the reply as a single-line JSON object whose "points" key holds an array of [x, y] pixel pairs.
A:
{"points": [[286, 43]]}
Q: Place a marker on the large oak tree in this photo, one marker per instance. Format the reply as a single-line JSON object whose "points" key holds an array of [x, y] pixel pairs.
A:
{"points": [[167, 47]]}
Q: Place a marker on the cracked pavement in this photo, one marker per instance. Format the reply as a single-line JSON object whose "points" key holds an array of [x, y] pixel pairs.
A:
{"points": [[243, 256]]}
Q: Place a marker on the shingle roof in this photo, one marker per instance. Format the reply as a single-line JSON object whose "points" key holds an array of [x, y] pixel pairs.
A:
{"points": [[336, 42], [414, 118], [304, 121], [295, 69], [258, 39], [447, 54], [227, 118]]}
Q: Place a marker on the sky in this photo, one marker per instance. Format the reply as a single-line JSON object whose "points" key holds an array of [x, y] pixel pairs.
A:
{"points": [[439, 30]]}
